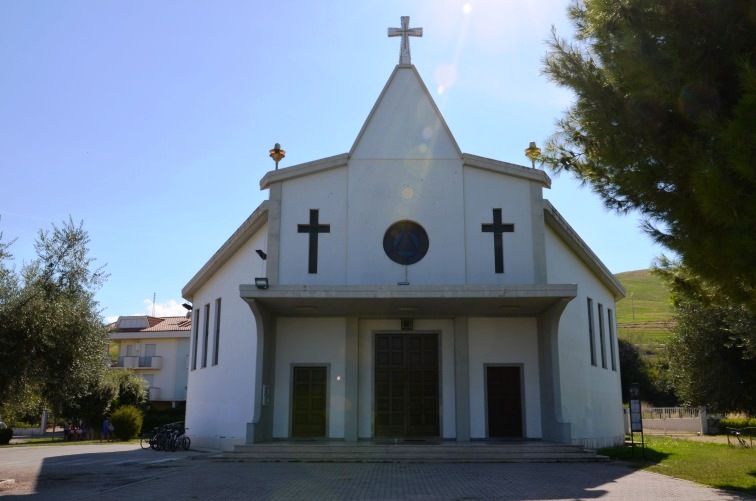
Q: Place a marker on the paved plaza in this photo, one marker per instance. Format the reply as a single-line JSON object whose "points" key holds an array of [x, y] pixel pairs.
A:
{"points": [[314, 481], [146, 475]]}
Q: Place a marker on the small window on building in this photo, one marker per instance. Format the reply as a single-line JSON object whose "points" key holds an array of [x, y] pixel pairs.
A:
{"points": [[195, 335], [216, 337], [591, 340], [611, 338], [205, 334], [602, 341]]}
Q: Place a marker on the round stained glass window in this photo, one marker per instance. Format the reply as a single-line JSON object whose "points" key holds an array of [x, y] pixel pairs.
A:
{"points": [[405, 242]]}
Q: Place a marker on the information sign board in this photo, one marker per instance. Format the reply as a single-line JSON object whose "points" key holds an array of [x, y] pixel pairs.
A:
{"points": [[636, 420]]}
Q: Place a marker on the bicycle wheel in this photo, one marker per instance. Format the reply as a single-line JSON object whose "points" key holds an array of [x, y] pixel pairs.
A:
{"points": [[165, 441], [186, 442], [156, 441], [173, 443], [144, 441]]}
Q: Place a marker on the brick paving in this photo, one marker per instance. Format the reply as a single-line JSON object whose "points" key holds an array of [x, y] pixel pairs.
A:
{"points": [[209, 480]]}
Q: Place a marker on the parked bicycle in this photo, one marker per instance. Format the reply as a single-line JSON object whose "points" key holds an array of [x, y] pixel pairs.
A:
{"points": [[168, 437]]}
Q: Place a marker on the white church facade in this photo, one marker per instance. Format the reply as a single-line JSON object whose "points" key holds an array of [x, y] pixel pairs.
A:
{"points": [[404, 290]]}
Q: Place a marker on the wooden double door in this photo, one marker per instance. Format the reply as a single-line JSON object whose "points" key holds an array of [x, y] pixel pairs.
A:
{"points": [[406, 385]]}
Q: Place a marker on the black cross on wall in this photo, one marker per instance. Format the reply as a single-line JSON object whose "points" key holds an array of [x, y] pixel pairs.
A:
{"points": [[497, 228], [313, 229]]}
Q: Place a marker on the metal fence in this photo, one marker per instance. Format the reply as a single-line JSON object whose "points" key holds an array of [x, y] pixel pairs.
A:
{"points": [[672, 420], [670, 412]]}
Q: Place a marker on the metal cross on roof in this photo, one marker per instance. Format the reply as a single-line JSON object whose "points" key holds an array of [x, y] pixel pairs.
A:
{"points": [[405, 32]]}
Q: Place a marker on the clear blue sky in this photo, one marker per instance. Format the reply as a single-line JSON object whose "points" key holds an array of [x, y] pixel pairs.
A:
{"points": [[151, 121]]}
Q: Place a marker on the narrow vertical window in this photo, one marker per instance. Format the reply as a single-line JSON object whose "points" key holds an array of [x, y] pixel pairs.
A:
{"points": [[602, 341], [591, 340], [216, 337], [195, 335], [205, 334], [611, 338]]}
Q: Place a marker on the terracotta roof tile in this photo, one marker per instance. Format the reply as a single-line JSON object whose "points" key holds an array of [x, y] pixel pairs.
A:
{"points": [[159, 324], [169, 324]]}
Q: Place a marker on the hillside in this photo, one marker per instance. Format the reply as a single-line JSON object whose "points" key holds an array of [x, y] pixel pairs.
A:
{"points": [[645, 315]]}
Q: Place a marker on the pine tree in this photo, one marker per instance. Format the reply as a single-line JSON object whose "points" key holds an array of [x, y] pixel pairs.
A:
{"points": [[663, 123]]}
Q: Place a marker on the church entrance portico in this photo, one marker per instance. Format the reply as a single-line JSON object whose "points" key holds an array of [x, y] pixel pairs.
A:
{"points": [[406, 385], [428, 381]]}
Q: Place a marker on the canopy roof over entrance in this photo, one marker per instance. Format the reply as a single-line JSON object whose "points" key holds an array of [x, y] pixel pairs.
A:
{"points": [[408, 301]]}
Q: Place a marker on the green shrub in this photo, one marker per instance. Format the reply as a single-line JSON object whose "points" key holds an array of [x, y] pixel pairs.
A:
{"points": [[127, 422], [740, 422], [154, 418], [5, 435]]}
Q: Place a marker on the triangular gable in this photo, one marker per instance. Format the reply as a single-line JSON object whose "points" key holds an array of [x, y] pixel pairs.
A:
{"points": [[405, 123]]}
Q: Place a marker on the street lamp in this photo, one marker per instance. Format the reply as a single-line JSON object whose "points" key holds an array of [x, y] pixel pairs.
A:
{"points": [[533, 152], [277, 154]]}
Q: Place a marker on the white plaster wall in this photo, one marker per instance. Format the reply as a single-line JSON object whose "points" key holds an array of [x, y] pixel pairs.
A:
{"points": [[310, 341], [591, 395], [383, 192], [485, 191], [367, 330], [220, 400], [326, 192], [504, 341]]}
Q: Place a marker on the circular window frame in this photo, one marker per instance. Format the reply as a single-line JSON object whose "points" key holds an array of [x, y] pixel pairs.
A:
{"points": [[406, 242]]}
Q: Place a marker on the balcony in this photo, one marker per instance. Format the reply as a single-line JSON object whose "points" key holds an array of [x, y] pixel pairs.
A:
{"points": [[133, 362]]}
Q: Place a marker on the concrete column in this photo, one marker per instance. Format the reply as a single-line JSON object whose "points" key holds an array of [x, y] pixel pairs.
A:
{"points": [[274, 234], [554, 427], [462, 378], [261, 427], [539, 233], [351, 389]]}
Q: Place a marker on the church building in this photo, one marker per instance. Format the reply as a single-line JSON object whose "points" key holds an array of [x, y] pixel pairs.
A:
{"points": [[404, 290]]}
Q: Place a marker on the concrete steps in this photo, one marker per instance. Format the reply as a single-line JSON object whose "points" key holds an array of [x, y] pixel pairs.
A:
{"points": [[404, 452]]}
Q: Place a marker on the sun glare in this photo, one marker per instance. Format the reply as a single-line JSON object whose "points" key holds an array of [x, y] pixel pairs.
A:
{"points": [[445, 76]]}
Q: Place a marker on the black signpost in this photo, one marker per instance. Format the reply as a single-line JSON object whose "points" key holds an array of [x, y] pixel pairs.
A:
{"points": [[636, 418]]}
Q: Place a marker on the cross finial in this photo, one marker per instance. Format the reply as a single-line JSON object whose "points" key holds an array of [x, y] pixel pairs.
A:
{"points": [[405, 32]]}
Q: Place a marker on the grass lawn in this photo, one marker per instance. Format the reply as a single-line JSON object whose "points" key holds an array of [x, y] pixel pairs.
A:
{"points": [[647, 299], [716, 465], [644, 317]]}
